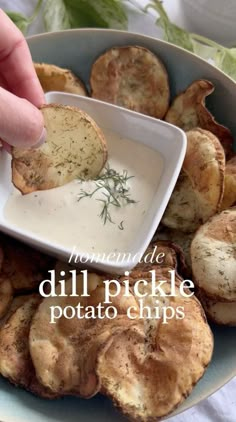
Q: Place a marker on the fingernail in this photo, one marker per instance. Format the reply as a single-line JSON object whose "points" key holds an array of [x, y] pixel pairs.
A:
{"points": [[41, 139], [6, 146]]}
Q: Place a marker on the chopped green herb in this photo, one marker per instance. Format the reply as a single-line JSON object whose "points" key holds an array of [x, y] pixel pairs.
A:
{"points": [[113, 186], [121, 225]]}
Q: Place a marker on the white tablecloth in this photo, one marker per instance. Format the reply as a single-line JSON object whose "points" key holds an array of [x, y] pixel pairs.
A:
{"points": [[221, 406]]}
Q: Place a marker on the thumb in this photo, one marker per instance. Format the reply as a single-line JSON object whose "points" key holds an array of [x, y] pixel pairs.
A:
{"points": [[21, 123]]}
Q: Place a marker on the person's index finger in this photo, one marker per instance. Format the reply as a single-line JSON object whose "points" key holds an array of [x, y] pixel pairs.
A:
{"points": [[16, 65]]}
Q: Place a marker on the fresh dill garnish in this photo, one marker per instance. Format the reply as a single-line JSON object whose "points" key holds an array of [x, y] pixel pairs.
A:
{"points": [[121, 225], [115, 190]]}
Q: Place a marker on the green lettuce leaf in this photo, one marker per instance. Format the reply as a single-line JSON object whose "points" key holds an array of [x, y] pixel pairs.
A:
{"points": [[21, 21], [172, 33], [224, 58], [55, 16]]}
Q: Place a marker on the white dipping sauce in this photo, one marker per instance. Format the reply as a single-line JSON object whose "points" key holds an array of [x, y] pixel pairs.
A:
{"points": [[57, 216]]}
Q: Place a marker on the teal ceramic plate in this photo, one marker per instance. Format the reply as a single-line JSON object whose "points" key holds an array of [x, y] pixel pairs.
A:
{"points": [[77, 49]]}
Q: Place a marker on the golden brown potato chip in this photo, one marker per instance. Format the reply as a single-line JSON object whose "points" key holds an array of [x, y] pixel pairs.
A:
{"points": [[189, 111], [14, 352], [229, 197], [213, 257], [15, 360], [199, 190], [160, 253], [65, 351], [75, 148], [54, 78], [148, 374], [1, 257], [15, 304], [221, 313], [181, 239], [131, 77], [23, 266], [6, 295]]}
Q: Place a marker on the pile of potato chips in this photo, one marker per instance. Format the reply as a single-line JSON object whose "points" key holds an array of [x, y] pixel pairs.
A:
{"points": [[146, 367]]}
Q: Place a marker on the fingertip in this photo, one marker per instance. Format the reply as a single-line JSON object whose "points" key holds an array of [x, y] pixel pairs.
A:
{"points": [[22, 124], [32, 131], [41, 139]]}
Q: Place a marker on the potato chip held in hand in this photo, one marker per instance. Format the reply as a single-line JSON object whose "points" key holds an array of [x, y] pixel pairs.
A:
{"points": [[75, 148]]}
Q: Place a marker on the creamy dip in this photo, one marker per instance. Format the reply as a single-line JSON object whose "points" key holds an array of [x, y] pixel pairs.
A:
{"points": [[57, 216]]}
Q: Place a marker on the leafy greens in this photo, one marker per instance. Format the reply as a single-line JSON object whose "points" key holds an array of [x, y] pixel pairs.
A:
{"points": [[23, 22], [224, 58], [65, 14]]}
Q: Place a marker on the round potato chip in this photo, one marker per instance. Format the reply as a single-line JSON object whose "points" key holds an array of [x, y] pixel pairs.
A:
{"points": [[229, 197], [148, 374], [199, 190], [182, 240], [131, 77], [75, 148], [15, 360], [65, 350], [23, 266], [6, 295], [54, 78], [213, 256], [188, 111], [15, 304], [160, 253], [221, 313]]}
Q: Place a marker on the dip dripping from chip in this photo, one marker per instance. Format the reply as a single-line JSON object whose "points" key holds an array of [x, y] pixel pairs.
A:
{"points": [[75, 148]]}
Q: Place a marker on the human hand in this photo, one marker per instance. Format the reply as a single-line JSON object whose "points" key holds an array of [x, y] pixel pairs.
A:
{"points": [[21, 123]]}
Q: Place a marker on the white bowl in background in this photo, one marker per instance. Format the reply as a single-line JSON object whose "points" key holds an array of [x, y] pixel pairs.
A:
{"points": [[215, 19]]}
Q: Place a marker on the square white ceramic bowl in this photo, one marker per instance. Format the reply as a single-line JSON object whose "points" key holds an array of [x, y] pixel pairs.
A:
{"points": [[168, 140]]}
